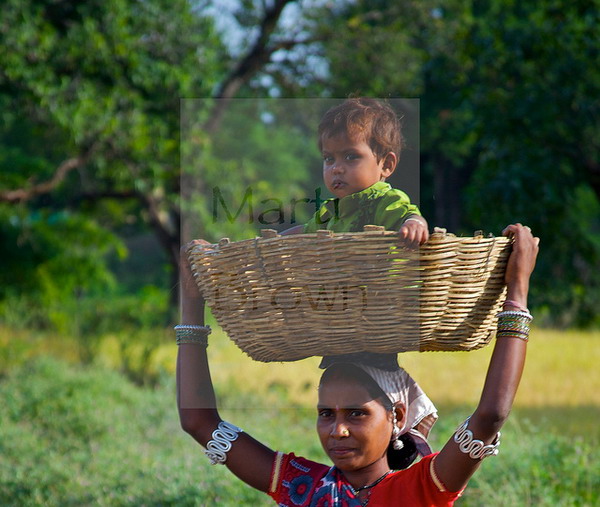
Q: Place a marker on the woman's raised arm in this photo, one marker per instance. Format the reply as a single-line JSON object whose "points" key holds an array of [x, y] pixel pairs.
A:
{"points": [[250, 460], [456, 463]]}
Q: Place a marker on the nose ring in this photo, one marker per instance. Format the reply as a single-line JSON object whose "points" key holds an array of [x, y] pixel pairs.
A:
{"points": [[345, 432]]}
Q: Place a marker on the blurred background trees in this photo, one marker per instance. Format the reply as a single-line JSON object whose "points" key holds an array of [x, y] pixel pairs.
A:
{"points": [[92, 149]]}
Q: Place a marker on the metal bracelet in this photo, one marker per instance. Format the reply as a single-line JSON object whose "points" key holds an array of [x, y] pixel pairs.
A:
{"points": [[192, 327], [220, 444], [476, 449], [185, 333], [516, 313], [513, 324], [508, 334]]}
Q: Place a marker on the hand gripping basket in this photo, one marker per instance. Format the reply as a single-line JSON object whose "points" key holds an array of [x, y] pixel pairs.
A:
{"points": [[284, 298]]}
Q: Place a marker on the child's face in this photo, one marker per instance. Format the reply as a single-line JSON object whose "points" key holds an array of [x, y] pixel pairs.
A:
{"points": [[349, 165]]}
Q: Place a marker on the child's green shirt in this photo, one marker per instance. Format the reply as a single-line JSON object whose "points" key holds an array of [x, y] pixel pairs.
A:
{"points": [[379, 204]]}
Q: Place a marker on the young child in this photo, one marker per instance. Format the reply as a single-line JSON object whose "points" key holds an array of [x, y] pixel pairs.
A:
{"points": [[361, 141]]}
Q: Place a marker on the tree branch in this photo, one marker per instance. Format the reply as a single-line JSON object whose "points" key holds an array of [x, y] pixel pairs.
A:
{"points": [[290, 43], [25, 194], [107, 194], [166, 223], [256, 57]]}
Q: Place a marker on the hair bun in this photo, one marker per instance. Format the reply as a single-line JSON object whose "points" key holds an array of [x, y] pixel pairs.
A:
{"points": [[399, 460]]}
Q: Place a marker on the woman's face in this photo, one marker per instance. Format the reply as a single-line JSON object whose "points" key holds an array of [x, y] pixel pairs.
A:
{"points": [[354, 429]]}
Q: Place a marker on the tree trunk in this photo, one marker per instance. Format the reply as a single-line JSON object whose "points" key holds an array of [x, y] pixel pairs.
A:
{"points": [[448, 185]]}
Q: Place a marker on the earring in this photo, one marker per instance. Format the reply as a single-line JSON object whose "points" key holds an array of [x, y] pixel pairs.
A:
{"points": [[397, 444]]}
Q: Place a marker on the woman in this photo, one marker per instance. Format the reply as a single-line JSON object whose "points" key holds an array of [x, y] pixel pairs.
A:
{"points": [[359, 417]]}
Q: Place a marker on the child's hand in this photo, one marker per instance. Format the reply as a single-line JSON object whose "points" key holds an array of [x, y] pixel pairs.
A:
{"points": [[414, 232]]}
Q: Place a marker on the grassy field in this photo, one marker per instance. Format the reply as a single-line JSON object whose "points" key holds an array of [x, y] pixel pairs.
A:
{"points": [[73, 435], [560, 386]]}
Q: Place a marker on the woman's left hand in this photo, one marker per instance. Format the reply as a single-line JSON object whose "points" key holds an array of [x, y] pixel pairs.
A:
{"points": [[453, 465], [521, 261]]}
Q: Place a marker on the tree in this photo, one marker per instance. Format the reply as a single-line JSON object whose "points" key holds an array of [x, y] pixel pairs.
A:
{"points": [[89, 98], [90, 93], [535, 76], [509, 120]]}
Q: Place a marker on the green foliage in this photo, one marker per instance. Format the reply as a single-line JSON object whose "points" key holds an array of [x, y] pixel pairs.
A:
{"points": [[535, 466], [509, 129], [265, 146], [111, 70], [135, 322], [51, 258], [74, 436], [509, 121], [538, 129], [133, 325], [100, 81]]}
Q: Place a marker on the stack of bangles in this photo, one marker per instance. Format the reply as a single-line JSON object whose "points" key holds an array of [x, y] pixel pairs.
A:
{"points": [[514, 323], [185, 333]]}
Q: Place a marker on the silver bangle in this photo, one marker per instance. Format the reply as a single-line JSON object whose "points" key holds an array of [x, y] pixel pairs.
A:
{"points": [[516, 313], [187, 333], [220, 444], [476, 449]]}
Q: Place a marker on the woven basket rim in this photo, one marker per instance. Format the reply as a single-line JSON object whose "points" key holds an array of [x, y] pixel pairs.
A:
{"points": [[459, 288]]}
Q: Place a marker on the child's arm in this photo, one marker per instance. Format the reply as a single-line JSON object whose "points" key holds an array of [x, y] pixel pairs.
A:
{"points": [[414, 231]]}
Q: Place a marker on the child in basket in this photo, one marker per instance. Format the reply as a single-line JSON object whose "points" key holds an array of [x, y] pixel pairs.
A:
{"points": [[360, 140]]}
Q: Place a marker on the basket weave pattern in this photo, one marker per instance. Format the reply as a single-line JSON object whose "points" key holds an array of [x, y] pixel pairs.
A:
{"points": [[284, 298]]}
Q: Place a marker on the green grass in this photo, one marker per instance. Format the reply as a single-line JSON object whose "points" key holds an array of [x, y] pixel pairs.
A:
{"points": [[73, 435]]}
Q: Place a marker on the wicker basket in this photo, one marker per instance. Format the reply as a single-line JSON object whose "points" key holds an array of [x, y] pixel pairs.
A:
{"points": [[283, 298]]}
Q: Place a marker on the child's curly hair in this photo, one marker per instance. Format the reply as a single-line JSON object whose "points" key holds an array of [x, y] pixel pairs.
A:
{"points": [[370, 119]]}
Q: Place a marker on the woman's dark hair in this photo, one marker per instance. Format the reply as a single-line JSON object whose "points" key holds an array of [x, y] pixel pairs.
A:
{"points": [[397, 460]]}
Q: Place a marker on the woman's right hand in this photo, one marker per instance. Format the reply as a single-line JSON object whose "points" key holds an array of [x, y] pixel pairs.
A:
{"points": [[250, 460], [189, 288]]}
